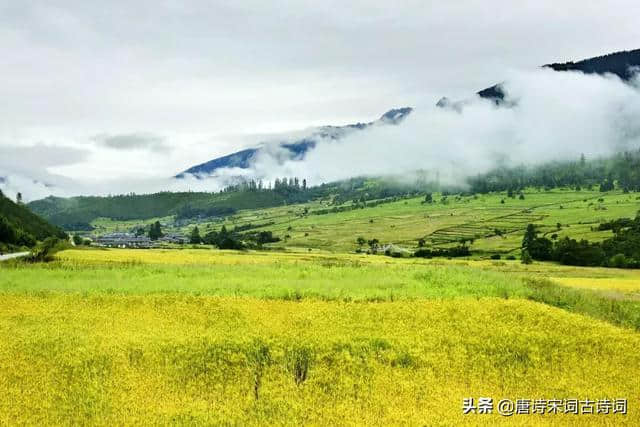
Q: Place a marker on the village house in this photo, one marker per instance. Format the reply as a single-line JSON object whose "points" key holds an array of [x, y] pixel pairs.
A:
{"points": [[123, 240]]}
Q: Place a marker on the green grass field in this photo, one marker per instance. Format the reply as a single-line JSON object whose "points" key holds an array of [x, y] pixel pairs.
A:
{"points": [[406, 221]]}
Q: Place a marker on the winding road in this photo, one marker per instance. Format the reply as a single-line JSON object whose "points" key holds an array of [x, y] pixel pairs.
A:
{"points": [[14, 255]]}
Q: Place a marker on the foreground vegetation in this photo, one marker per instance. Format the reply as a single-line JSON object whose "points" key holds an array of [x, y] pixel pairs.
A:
{"points": [[204, 336], [309, 329], [167, 359]]}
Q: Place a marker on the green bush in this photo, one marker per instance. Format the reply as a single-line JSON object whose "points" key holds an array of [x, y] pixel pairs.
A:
{"points": [[44, 251], [618, 261]]}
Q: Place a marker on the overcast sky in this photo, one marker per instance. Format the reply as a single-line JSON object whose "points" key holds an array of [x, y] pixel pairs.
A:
{"points": [[141, 89]]}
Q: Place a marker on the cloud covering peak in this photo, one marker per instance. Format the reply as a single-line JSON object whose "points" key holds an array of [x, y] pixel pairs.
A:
{"points": [[547, 116]]}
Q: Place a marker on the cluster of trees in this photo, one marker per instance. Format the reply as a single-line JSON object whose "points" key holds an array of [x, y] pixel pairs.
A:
{"points": [[189, 211], [233, 239], [78, 240], [362, 190], [622, 169], [422, 252], [279, 184], [44, 251], [11, 235], [622, 250], [249, 226], [21, 227], [457, 251], [290, 183], [372, 243], [357, 204], [155, 231], [616, 225]]}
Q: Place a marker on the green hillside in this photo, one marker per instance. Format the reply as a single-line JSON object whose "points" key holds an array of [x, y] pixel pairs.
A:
{"points": [[19, 226], [77, 213], [621, 171], [492, 223]]}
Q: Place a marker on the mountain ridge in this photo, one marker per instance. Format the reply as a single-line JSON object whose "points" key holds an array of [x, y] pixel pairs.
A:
{"points": [[619, 63], [293, 150]]}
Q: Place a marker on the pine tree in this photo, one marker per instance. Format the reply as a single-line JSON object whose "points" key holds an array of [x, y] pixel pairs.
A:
{"points": [[529, 236], [195, 236], [155, 231]]}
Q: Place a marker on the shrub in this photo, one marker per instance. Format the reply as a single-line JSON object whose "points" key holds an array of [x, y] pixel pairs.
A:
{"points": [[298, 363], [266, 237], [25, 239], [458, 251], [44, 252], [618, 261]]}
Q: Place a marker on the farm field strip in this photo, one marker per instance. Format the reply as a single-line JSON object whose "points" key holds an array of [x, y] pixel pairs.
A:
{"points": [[483, 228], [201, 336], [629, 286], [200, 360]]}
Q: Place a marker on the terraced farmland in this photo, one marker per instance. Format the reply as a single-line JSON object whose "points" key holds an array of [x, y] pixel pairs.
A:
{"points": [[444, 222], [473, 230]]}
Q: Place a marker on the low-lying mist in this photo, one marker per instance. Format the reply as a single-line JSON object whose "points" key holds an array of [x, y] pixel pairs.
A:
{"points": [[553, 116], [546, 116]]}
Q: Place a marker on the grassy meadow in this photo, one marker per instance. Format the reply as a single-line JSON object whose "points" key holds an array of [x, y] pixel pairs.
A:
{"points": [[405, 221], [204, 337]]}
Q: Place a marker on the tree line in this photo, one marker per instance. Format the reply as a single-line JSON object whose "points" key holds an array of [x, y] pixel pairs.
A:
{"points": [[622, 169], [621, 251], [233, 239], [279, 184]]}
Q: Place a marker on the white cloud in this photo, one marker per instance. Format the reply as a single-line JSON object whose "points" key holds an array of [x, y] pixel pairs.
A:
{"points": [[556, 116], [193, 73]]}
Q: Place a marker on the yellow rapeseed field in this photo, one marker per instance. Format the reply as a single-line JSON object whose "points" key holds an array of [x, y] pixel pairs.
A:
{"points": [[629, 286], [198, 360], [95, 355]]}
